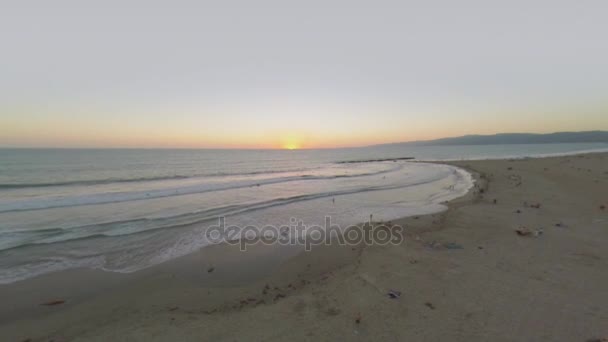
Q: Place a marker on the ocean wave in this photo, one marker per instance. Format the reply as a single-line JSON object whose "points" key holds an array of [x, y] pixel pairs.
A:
{"points": [[22, 238], [141, 179], [118, 197], [374, 160]]}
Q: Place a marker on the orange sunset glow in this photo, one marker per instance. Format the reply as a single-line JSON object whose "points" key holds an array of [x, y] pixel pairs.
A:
{"points": [[39, 127]]}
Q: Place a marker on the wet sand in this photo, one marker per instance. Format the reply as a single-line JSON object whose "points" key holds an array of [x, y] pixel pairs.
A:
{"points": [[462, 275]]}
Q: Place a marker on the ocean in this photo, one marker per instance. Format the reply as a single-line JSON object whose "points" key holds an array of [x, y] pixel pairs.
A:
{"points": [[123, 210]]}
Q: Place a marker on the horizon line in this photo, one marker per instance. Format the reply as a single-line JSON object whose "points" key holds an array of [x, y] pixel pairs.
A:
{"points": [[285, 149]]}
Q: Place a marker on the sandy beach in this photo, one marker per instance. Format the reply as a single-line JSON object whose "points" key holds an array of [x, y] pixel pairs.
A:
{"points": [[522, 257]]}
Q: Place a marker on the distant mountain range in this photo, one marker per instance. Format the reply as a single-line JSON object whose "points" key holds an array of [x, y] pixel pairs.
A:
{"points": [[516, 138]]}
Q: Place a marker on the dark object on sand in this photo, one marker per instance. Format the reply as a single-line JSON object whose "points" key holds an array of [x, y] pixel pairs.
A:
{"points": [[393, 294], [518, 211], [523, 231], [430, 305], [602, 207], [211, 269], [535, 206], [358, 318], [495, 201], [53, 302]]}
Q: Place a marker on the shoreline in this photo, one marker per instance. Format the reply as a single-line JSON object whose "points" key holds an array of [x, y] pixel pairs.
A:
{"points": [[353, 281], [397, 194]]}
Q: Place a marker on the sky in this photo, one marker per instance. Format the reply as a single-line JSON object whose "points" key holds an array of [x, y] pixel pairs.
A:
{"points": [[296, 74]]}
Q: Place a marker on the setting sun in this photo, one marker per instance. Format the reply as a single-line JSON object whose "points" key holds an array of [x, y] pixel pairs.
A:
{"points": [[291, 142]]}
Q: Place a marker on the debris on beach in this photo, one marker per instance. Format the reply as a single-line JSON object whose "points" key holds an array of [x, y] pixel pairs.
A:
{"points": [[535, 206], [210, 269], [358, 318], [54, 302], [452, 245], [523, 231], [495, 201], [173, 308], [602, 207], [393, 294], [430, 305]]}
